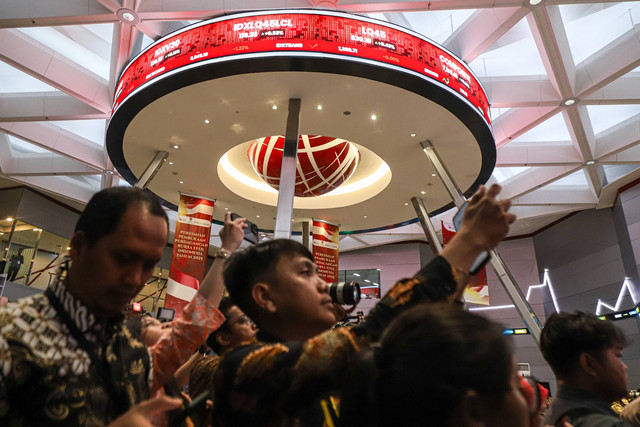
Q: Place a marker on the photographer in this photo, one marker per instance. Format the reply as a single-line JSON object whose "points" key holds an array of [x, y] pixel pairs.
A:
{"points": [[289, 376]]}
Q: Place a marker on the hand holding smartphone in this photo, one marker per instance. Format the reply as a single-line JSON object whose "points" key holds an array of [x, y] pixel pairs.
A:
{"points": [[485, 256], [250, 231]]}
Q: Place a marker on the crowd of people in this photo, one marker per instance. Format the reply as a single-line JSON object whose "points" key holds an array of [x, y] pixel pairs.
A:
{"points": [[267, 354]]}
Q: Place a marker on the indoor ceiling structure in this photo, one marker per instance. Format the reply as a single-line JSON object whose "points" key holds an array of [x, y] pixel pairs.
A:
{"points": [[562, 77]]}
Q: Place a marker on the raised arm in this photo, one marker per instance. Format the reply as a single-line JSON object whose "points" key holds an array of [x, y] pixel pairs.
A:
{"points": [[212, 287]]}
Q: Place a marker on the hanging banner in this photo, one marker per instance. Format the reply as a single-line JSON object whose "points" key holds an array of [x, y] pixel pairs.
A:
{"points": [[477, 292], [326, 237], [190, 249]]}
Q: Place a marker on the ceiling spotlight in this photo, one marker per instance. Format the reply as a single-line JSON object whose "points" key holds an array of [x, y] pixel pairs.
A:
{"points": [[68, 248], [534, 2], [9, 219], [433, 174], [590, 162], [37, 229], [257, 216], [226, 209], [365, 216], [275, 107], [109, 172], [170, 163], [206, 121], [406, 203], [181, 182], [127, 16], [423, 192], [569, 102], [176, 146], [319, 107], [413, 134], [374, 117]]}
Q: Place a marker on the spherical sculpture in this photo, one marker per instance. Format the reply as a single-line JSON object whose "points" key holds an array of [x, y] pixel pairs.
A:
{"points": [[323, 164]]}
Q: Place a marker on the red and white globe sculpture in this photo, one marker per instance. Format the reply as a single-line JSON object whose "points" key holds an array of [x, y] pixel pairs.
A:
{"points": [[324, 163]]}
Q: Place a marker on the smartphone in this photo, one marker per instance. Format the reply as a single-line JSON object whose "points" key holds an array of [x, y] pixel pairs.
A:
{"points": [[485, 256], [250, 232]]}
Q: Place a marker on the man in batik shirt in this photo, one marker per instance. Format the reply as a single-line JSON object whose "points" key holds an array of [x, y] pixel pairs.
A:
{"points": [[66, 359], [289, 376]]}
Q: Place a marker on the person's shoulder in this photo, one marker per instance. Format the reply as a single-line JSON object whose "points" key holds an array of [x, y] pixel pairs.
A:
{"points": [[597, 420]]}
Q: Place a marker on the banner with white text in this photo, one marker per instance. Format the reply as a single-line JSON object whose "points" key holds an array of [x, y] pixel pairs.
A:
{"points": [[190, 249], [477, 291], [326, 237]]}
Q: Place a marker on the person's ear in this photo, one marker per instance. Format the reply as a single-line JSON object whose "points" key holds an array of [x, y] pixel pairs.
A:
{"points": [[222, 339], [469, 410], [261, 294], [78, 244], [588, 363]]}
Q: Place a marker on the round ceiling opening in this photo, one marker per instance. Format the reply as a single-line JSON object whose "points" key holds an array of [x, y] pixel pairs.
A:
{"points": [[323, 163]]}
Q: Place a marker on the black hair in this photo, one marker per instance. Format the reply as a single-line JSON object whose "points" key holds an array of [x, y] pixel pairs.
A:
{"points": [[427, 359], [257, 264], [225, 305], [102, 214], [567, 335]]}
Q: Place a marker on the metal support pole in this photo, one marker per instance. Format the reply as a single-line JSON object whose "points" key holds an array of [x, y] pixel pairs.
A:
{"points": [[427, 226], [306, 231], [33, 257], [508, 282], [152, 169], [286, 189]]}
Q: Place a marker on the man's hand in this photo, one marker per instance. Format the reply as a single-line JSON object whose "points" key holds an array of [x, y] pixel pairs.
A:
{"points": [[487, 219], [485, 223], [232, 232], [140, 415]]}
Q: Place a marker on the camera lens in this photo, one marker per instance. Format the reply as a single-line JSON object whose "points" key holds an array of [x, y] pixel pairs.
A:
{"points": [[345, 293]]}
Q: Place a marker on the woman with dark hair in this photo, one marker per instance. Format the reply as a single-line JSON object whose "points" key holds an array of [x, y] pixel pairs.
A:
{"points": [[437, 366]]}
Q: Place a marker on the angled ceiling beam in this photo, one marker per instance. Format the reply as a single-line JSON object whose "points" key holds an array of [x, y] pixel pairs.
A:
{"points": [[627, 157], [516, 92], [59, 141], [482, 29], [624, 90], [551, 39], [553, 196], [608, 64], [579, 126], [45, 64], [18, 13], [43, 106], [516, 122], [538, 154], [535, 178], [46, 165], [86, 38], [373, 6], [618, 138]]}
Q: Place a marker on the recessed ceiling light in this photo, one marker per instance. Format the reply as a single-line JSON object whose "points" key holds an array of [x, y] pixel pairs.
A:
{"points": [[226, 209], [128, 16], [176, 146], [319, 107], [68, 248], [374, 117], [9, 219], [534, 2], [109, 172], [356, 274], [423, 192], [413, 134], [365, 216], [406, 203], [367, 280], [36, 229], [569, 102], [170, 163], [275, 107], [206, 121], [591, 162], [181, 182], [433, 174]]}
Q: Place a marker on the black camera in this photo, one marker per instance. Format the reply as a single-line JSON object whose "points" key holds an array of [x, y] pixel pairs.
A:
{"points": [[345, 293]]}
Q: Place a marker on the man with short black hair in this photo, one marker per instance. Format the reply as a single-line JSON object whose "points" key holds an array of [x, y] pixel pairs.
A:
{"points": [[585, 354], [289, 376], [66, 358]]}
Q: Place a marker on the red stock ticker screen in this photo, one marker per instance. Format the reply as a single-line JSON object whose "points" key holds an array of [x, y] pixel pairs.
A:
{"points": [[322, 33]]}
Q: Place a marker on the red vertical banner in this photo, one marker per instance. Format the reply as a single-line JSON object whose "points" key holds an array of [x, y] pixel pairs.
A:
{"points": [[190, 249], [326, 237], [477, 291]]}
